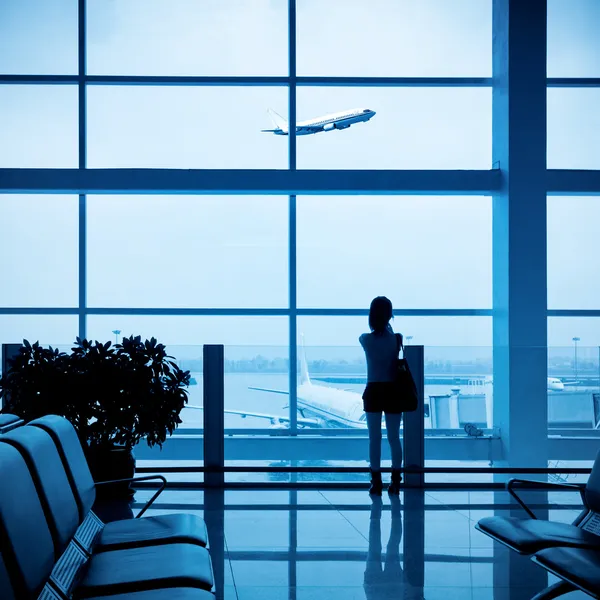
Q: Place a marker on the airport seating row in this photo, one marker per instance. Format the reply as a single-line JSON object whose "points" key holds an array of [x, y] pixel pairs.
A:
{"points": [[53, 546], [571, 552]]}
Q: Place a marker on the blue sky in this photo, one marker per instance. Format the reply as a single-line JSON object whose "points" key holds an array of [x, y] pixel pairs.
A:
{"points": [[232, 251]]}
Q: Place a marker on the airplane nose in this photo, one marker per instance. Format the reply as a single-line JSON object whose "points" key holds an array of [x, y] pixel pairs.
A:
{"points": [[373, 113]]}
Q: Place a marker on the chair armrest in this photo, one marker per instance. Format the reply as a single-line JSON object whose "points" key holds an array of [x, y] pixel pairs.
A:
{"points": [[144, 478], [542, 485]]}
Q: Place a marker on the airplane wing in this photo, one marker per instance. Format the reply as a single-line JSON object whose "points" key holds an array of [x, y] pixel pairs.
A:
{"points": [[275, 419], [257, 389]]}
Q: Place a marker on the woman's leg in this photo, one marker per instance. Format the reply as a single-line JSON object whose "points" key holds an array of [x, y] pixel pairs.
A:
{"points": [[392, 424], [374, 427]]}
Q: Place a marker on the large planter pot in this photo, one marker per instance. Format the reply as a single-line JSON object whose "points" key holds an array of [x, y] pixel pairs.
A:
{"points": [[108, 464]]}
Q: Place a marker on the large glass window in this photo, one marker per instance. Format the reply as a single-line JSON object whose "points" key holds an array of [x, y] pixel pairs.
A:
{"points": [[573, 42], [395, 38], [573, 256], [39, 126], [188, 251], [413, 128], [187, 37], [39, 243], [422, 252], [573, 128], [38, 37], [184, 127]]}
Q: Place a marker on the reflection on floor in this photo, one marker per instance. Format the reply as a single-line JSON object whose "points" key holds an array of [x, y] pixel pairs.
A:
{"points": [[312, 545]]}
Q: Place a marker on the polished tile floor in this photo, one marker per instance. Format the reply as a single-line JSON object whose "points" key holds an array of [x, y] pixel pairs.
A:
{"points": [[318, 545]]}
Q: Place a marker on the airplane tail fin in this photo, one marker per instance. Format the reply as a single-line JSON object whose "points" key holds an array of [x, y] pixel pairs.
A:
{"points": [[304, 376], [278, 121]]}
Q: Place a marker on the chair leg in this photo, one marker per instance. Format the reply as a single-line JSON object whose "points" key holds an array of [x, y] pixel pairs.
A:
{"points": [[555, 590]]}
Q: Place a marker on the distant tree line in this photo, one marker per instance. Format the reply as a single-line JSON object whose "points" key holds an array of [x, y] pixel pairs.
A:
{"points": [[260, 364]]}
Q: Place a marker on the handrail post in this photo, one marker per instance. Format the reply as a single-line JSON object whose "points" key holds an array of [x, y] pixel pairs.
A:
{"points": [[414, 422], [214, 415], [9, 351]]}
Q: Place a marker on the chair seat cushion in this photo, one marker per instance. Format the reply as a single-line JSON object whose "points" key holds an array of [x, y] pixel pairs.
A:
{"points": [[578, 566], [528, 536], [150, 531], [147, 568], [172, 594]]}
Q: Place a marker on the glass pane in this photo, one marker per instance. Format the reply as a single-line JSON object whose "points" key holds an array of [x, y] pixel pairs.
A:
{"points": [[406, 247], [39, 126], [412, 128], [562, 330], [573, 128], [190, 251], [187, 37], [573, 42], [573, 272], [256, 355], [51, 330], [395, 38], [39, 242], [183, 127], [325, 334], [574, 366], [38, 37]]}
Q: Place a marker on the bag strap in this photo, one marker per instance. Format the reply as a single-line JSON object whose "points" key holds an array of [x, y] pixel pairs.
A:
{"points": [[399, 342]]}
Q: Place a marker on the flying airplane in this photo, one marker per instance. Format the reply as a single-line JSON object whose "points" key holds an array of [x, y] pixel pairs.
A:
{"points": [[339, 120]]}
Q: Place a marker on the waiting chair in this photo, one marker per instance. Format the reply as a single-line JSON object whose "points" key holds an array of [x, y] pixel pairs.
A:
{"points": [[35, 528], [128, 533], [579, 569], [528, 536]]}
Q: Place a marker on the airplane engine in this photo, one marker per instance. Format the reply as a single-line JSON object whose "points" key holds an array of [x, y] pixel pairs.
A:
{"points": [[328, 126]]}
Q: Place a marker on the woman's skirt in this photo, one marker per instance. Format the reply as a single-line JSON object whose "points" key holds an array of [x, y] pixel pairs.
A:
{"points": [[381, 396]]}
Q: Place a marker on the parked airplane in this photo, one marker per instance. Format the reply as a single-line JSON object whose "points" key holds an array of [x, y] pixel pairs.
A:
{"points": [[339, 120], [322, 406], [555, 384], [319, 406]]}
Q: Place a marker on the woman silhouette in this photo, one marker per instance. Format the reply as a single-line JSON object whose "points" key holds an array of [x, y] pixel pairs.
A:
{"points": [[381, 348]]}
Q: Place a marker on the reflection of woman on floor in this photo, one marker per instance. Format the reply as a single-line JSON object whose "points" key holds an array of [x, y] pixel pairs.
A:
{"points": [[389, 580]]}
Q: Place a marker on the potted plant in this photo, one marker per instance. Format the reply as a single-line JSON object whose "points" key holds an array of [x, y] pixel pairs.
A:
{"points": [[114, 396]]}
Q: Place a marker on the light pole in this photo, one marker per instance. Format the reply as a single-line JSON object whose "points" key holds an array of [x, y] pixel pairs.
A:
{"points": [[408, 338], [116, 332], [576, 339]]}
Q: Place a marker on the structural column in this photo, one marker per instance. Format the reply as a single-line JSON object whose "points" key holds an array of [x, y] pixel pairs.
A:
{"points": [[414, 422], [519, 231], [214, 415]]}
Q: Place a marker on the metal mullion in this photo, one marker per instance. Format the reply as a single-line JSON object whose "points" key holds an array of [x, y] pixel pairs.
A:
{"points": [[579, 82], [182, 80], [293, 321], [39, 79], [573, 313], [82, 160], [190, 312], [404, 312], [273, 312], [292, 83], [395, 81]]}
